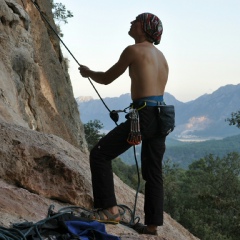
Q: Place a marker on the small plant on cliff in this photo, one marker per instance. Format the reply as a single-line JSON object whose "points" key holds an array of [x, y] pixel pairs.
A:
{"points": [[60, 13]]}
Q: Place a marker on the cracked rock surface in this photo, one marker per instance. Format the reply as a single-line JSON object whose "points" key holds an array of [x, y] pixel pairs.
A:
{"points": [[34, 83]]}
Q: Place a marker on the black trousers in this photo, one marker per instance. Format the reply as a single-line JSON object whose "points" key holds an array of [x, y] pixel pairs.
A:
{"points": [[115, 143]]}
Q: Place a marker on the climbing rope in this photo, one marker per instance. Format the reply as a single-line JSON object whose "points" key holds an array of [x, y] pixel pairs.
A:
{"points": [[45, 19], [29, 230], [11, 234], [113, 114]]}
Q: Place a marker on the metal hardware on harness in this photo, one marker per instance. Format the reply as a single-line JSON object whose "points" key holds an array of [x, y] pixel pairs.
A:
{"points": [[114, 114], [134, 136]]}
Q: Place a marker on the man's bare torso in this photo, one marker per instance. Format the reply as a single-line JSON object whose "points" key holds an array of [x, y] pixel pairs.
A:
{"points": [[148, 71]]}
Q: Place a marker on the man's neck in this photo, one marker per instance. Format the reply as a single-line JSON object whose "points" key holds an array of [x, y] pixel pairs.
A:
{"points": [[140, 38], [142, 41]]}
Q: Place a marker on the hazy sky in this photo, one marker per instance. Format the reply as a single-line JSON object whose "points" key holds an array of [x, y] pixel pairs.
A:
{"points": [[201, 42]]}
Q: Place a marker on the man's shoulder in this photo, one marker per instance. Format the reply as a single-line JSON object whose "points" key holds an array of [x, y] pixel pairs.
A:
{"points": [[130, 47], [129, 50], [133, 48]]}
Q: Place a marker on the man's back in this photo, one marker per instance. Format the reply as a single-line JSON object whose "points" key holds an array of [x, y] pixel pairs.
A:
{"points": [[148, 71]]}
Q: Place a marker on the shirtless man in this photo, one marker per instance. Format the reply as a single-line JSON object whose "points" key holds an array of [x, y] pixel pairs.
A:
{"points": [[148, 70]]}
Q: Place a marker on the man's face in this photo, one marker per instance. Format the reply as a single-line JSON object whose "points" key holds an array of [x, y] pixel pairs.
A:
{"points": [[135, 28]]}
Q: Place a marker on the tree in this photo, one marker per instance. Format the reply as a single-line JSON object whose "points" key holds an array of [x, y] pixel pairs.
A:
{"points": [[205, 198], [210, 197], [172, 176], [235, 119], [92, 132], [60, 13]]}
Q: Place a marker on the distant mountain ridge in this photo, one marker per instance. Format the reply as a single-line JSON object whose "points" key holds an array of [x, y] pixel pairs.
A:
{"points": [[184, 154], [84, 99], [200, 119]]}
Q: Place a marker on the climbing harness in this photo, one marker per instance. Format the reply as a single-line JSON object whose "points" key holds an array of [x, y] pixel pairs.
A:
{"points": [[113, 115]]}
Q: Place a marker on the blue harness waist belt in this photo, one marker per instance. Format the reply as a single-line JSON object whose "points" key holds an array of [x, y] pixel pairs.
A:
{"points": [[151, 101]]}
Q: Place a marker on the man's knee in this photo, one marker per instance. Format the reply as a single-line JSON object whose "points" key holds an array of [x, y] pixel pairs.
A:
{"points": [[94, 156], [98, 155]]}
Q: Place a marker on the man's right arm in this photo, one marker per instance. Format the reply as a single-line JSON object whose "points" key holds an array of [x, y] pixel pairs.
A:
{"points": [[114, 72]]}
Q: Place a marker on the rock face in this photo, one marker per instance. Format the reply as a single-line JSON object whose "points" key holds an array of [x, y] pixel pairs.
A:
{"points": [[39, 169], [35, 89], [43, 154]]}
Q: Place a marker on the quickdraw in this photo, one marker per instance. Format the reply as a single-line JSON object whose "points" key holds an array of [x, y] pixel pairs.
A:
{"points": [[134, 137]]}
